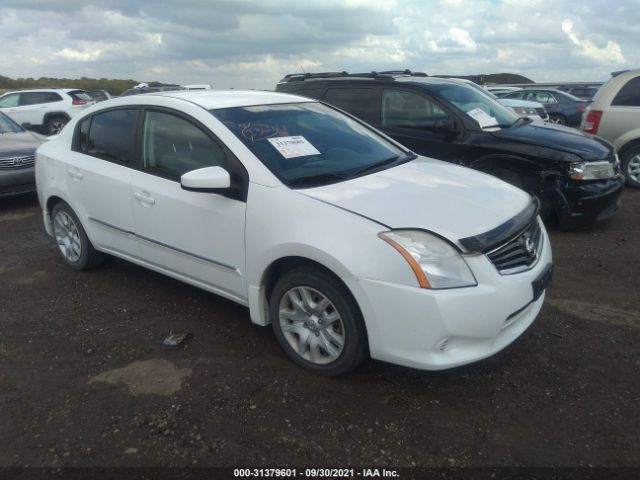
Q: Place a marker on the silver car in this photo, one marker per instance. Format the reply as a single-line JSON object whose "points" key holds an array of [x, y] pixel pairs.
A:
{"points": [[615, 116], [17, 153]]}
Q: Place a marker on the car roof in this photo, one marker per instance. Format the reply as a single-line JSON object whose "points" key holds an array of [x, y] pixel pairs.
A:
{"points": [[28, 90], [214, 99]]}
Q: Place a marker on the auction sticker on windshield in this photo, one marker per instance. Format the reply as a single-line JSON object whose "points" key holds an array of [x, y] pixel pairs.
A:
{"points": [[483, 118], [292, 147]]}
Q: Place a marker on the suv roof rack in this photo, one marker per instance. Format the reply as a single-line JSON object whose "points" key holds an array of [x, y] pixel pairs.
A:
{"points": [[384, 75]]}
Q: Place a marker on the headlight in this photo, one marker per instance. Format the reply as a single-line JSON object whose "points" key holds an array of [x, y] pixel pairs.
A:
{"points": [[591, 170], [525, 111], [434, 261]]}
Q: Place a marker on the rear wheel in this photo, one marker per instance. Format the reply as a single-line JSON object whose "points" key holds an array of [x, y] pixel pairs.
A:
{"points": [[317, 322], [557, 119], [56, 124], [630, 165], [73, 244]]}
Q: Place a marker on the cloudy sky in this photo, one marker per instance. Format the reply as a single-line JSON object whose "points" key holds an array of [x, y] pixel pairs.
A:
{"points": [[253, 43]]}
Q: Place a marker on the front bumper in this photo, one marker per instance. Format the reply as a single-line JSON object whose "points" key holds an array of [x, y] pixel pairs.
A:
{"points": [[581, 204], [14, 182], [439, 329]]}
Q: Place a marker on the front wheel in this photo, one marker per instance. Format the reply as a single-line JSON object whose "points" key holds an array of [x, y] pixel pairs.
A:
{"points": [[630, 165], [73, 244], [317, 322]]}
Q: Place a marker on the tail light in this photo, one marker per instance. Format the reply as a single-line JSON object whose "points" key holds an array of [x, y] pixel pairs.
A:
{"points": [[592, 122], [77, 101]]}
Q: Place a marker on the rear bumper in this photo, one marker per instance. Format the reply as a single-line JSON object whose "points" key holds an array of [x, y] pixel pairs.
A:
{"points": [[584, 204]]}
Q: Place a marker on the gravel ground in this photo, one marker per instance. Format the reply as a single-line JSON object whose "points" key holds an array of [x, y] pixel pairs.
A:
{"points": [[84, 380]]}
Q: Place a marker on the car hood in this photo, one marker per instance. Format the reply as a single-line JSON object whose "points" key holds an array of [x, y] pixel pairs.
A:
{"points": [[558, 137], [452, 201], [19, 142]]}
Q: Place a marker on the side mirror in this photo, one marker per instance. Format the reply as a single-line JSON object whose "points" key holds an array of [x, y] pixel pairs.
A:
{"points": [[209, 179], [26, 125]]}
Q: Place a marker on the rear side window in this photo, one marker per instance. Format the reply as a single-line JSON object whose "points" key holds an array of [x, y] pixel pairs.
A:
{"points": [[172, 146], [109, 135], [34, 98], [361, 102], [629, 95], [315, 93], [409, 110]]}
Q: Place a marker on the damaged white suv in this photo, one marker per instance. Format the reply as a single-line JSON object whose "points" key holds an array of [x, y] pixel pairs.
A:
{"points": [[347, 243]]}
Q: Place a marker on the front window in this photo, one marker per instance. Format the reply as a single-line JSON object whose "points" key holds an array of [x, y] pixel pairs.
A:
{"points": [[309, 143], [8, 126], [478, 105]]}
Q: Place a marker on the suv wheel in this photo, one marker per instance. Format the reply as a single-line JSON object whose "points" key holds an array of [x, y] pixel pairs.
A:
{"points": [[630, 165], [73, 244], [55, 124], [317, 322], [557, 119]]}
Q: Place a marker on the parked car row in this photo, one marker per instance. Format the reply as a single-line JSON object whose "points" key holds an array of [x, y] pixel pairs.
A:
{"points": [[292, 194], [574, 175]]}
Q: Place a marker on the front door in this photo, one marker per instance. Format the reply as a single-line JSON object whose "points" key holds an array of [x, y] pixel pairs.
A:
{"points": [[194, 236], [419, 123]]}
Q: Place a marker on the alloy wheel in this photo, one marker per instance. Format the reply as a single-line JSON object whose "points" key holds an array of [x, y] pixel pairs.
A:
{"points": [[633, 168], [311, 325], [67, 236]]}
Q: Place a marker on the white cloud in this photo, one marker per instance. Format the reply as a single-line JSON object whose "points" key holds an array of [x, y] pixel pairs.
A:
{"points": [[252, 44], [610, 54]]}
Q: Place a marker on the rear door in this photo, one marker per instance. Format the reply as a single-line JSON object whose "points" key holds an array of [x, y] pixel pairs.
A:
{"points": [[98, 172], [194, 236], [624, 113], [34, 105]]}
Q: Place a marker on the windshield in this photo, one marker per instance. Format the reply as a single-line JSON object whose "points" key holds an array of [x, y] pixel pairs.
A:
{"points": [[477, 104], [7, 125], [309, 141]]}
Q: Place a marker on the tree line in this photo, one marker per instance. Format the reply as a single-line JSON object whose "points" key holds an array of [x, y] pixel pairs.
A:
{"points": [[113, 86]]}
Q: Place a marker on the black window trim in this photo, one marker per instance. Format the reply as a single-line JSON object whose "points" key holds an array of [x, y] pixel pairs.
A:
{"points": [[237, 171], [75, 142]]}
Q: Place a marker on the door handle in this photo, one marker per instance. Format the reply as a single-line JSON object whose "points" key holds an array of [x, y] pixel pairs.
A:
{"points": [[75, 174], [145, 198]]}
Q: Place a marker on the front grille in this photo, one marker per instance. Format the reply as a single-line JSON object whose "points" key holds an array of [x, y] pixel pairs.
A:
{"points": [[542, 113], [23, 161], [520, 253]]}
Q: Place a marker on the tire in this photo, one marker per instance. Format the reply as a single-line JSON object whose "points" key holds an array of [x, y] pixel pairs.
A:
{"points": [[331, 338], [557, 119], [630, 166], [74, 246], [55, 124], [516, 180]]}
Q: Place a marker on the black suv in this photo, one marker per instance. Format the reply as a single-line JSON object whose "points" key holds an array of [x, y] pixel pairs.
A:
{"points": [[576, 176]]}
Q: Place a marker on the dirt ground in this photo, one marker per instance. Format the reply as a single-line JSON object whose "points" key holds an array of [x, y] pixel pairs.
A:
{"points": [[84, 380]]}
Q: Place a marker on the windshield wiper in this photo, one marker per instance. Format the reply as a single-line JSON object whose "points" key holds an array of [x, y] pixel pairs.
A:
{"points": [[317, 179], [374, 166]]}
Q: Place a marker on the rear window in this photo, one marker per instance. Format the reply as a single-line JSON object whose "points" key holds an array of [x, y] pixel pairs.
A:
{"points": [[109, 135], [362, 102], [35, 98], [80, 95], [629, 95]]}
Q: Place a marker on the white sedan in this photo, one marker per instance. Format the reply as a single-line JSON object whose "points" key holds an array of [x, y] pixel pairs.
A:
{"points": [[347, 243]]}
